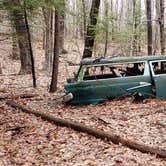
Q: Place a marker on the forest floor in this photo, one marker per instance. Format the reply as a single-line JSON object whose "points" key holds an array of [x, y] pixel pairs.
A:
{"points": [[39, 142]]}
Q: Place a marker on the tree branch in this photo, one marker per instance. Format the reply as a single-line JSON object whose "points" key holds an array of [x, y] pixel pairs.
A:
{"points": [[91, 131], [23, 96]]}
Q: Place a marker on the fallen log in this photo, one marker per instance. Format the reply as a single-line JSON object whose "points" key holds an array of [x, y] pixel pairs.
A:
{"points": [[95, 132], [22, 96]]}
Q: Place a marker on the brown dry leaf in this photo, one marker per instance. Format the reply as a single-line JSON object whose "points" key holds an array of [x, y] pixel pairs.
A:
{"points": [[46, 144]]}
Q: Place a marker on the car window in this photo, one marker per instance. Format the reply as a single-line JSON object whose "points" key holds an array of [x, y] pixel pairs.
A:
{"points": [[159, 67], [105, 71]]}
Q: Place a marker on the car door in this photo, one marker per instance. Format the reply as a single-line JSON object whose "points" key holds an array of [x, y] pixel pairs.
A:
{"points": [[96, 90], [158, 69]]}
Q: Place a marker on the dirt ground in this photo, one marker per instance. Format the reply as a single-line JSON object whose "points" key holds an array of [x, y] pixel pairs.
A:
{"points": [[41, 143]]}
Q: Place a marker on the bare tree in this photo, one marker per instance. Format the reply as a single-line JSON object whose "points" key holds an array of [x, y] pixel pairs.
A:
{"points": [[48, 40], [112, 21], [134, 36], [30, 46], [135, 45], [23, 40], [149, 26], [91, 33], [62, 27], [84, 17], [106, 28], [54, 80], [157, 29], [161, 23], [15, 47], [0, 69]]}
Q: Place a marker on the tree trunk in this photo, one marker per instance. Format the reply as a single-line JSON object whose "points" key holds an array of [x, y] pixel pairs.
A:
{"points": [[62, 28], [91, 33], [138, 26], [30, 47], [48, 38], [53, 86], [149, 26], [51, 40], [161, 23], [134, 33], [23, 42], [44, 39], [0, 69], [95, 132], [121, 19], [15, 47], [106, 28], [112, 22], [62, 31], [157, 30], [84, 17]]}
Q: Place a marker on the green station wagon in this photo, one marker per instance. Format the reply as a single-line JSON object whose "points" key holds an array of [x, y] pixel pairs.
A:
{"points": [[102, 79]]}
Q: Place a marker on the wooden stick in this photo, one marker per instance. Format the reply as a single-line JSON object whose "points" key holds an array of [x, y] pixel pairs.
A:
{"points": [[95, 132], [22, 96], [16, 128]]}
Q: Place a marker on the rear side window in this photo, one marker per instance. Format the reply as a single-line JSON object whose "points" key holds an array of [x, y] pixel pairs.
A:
{"points": [[159, 67], [93, 72]]}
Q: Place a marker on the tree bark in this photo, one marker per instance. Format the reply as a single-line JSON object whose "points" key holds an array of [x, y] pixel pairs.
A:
{"points": [[62, 28], [51, 40], [112, 22], [134, 35], [84, 17], [54, 80], [62, 31], [149, 26], [44, 39], [15, 47], [157, 29], [48, 39], [161, 23], [95, 132], [106, 28], [139, 15], [23, 42], [30, 46], [91, 33], [0, 69]]}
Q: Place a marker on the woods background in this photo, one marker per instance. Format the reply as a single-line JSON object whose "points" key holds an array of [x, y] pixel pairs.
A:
{"points": [[42, 43], [121, 28]]}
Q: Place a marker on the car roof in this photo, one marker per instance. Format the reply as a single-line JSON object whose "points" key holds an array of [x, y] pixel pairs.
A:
{"points": [[90, 61]]}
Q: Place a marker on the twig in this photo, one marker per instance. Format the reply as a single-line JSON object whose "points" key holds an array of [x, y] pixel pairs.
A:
{"points": [[102, 120], [16, 128], [22, 96]]}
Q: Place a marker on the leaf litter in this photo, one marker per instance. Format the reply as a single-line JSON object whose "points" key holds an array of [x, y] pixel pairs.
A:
{"points": [[28, 140]]}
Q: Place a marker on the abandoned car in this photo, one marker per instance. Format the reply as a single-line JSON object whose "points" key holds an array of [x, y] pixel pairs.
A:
{"points": [[103, 78]]}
